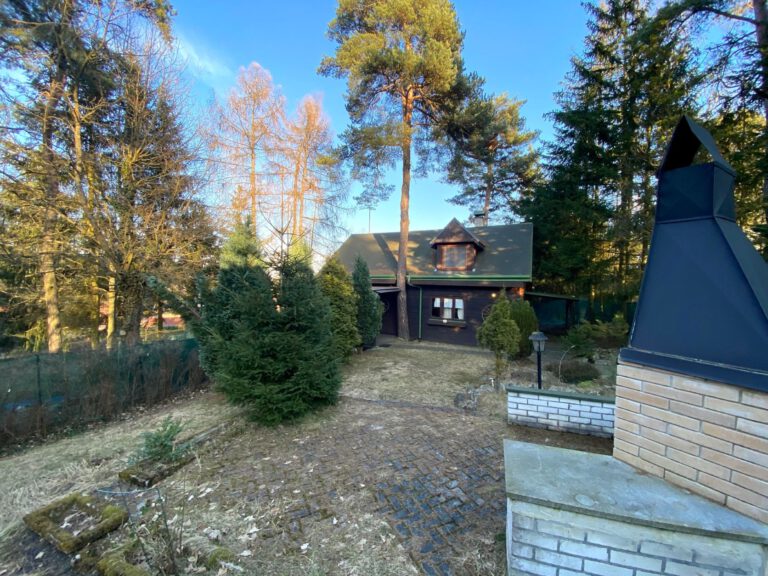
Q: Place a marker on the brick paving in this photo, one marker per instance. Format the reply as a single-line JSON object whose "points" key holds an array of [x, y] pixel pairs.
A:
{"points": [[435, 474]]}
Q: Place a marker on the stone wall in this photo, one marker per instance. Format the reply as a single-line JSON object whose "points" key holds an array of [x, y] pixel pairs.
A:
{"points": [[704, 436], [560, 411], [551, 542]]}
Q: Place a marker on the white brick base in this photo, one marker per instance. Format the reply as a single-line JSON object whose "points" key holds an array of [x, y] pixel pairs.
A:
{"points": [[560, 411], [549, 542]]}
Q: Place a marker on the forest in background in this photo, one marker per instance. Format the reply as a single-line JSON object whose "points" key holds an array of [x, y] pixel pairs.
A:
{"points": [[107, 190]]}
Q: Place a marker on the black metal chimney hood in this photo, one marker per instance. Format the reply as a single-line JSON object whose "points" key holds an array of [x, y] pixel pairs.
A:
{"points": [[703, 308]]}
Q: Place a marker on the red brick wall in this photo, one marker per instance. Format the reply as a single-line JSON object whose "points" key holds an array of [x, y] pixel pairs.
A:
{"points": [[707, 437]]}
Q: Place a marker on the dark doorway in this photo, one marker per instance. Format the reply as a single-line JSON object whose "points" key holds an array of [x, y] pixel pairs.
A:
{"points": [[389, 318]]}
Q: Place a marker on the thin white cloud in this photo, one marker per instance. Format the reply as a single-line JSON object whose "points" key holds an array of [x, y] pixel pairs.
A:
{"points": [[200, 63]]}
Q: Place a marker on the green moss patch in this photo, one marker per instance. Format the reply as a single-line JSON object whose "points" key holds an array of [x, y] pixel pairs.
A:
{"points": [[114, 564], [147, 473], [74, 521], [217, 556]]}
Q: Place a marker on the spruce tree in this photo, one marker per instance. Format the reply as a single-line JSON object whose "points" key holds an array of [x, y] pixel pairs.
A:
{"points": [[268, 347], [303, 371], [369, 307], [235, 318], [499, 334], [525, 318], [621, 100], [336, 285]]}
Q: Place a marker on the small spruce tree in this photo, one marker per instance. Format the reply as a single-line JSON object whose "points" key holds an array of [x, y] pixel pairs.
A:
{"points": [[499, 333], [336, 285], [369, 307], [303, 371], [525, 318], [242, 291]]}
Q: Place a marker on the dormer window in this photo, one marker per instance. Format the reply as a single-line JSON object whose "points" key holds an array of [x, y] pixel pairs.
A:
{"points": [[455, 248], [455, 256]]}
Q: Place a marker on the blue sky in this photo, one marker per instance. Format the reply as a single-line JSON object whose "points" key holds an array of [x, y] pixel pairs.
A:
{"points": [[521, 48]]}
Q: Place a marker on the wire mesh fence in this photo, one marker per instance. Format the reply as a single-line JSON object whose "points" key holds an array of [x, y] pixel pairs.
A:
{"points": [[40, 393]]}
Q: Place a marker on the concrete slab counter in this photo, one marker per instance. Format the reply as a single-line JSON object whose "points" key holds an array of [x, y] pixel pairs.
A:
{"points": [[571, 512]]}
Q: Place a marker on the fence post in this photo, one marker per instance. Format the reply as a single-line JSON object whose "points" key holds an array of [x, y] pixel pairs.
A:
{"points": [[40, 409]]}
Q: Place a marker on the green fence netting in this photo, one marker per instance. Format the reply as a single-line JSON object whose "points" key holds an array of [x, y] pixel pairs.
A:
{"points": [[40, 393]]}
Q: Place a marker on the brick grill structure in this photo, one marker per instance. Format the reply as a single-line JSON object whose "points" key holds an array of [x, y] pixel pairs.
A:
{"points": [[707, 437]]}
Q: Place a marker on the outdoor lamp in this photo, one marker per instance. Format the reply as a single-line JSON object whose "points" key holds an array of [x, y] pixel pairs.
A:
{"points": [[538, 339]]}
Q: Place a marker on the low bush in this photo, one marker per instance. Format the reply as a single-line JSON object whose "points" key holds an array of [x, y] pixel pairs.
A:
{"points": [[611, 334], [573, 371], [160, 445], [580, 341]]}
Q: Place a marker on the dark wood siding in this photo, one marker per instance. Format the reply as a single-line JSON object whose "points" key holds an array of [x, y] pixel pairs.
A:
{"points": [[475, 301]]}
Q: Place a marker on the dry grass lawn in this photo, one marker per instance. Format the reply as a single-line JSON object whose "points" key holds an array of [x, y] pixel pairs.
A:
{"points": [[256, 487], [422, 373]]}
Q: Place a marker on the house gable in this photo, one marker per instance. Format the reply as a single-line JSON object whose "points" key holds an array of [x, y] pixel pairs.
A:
{"points": [[455, 248]]}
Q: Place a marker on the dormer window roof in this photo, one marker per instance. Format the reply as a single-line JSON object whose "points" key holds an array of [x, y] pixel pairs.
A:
{"points": [[455, 233], [456, 248]]}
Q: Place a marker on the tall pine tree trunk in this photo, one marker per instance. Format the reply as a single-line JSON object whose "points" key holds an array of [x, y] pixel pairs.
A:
{"points": [[488, 193], [111, 309], [48, 246], [761, 30], [133, 294], [403, 330]]}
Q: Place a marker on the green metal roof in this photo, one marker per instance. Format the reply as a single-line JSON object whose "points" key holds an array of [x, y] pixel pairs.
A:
{"points": [[507, 254]]}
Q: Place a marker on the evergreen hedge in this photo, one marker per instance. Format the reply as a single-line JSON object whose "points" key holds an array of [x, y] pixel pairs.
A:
{"points": [[500, 334], [369, 306], [525, 318], [336, 285]]}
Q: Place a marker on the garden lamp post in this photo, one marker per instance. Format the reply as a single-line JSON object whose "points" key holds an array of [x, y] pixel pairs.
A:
{"points": [[538, 339]]}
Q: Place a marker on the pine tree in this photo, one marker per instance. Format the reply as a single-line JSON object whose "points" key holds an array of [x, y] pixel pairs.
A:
{"points": [[336, 285], [369, 307], [492, 158], [401, 59], [733, 35]]}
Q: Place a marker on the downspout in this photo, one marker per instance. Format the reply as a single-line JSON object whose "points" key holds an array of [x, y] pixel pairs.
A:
{"points": [[421, 300]]}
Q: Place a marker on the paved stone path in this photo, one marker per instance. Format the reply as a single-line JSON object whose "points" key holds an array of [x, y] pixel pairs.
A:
{"points": [[434, 474]]}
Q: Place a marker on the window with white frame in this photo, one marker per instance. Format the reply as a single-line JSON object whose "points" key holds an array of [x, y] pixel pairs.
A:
{"points": [[448, 308]]}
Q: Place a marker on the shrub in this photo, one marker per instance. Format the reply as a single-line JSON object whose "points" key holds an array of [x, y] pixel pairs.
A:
{"points": [[580, 341], [160, 445], [525, 318], [584, 338], [369, 306], [499, 333], [573, 371], [336, 285], [611, 334]]}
